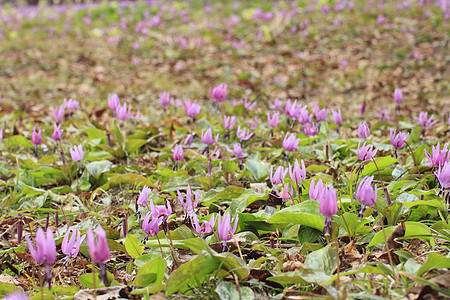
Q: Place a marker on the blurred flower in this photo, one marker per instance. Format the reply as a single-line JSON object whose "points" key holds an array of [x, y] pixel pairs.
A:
{"points": [[229, 122], [207, 226], [57, 132], [143, 196], [99, 252], [328, 206], [316, 192], [425, 121], [277, 104], [178, 154], [385, 115], [365, 153], [303, 115], [36, 137], [337, 117], [219, 93], [248, 105], [58, 113], [45, 251], [290, 142], [151, 228], [16, 295], [189, 207], [113, 102], [290, 108], [366, 194], [237, 151], [380, 19], [438, 157], [399, 140], [164, 99], [77, 153], [253, 124], [244, 134], [398, 96], [363, 130], [362, 108], [296, 173], [71, 104], [70, 247], [1, 135], [123, 112], [207, 137], [443, 175], [224, 228], [322, 114], [310, 129], [192, 108], [279, 175], [273, 121]]}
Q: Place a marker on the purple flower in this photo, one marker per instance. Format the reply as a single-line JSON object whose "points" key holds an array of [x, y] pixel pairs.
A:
{"points": [[188, 206], [70, 247], [207, 226], [316, 192], [123, 112], [273, 121], [443, 175], [207, 137], [277, 104], [219, 93], [248, 105], [365, 153], [303, 115], [178, 153], [237, 151], [150, 227], [224, 228], [285, 194], [164, 99], [328, 206], [253, 125], [380, 19], [36, 137], [58, 113], [143, 196], [161, 210], [290, 142], [113, 102], [399, 140], [365, 193], [244, 134], [229, 122], [192, 108], [1, 135], [99, 252], [310, 129], [77, 153], [438, 157], [71, 104], [297, 174], [16, 295], [322, 114], [45, 251], [57, 132], [337, 117], [363, 130], [385, 115], [279, 175], [362, 108], [398, 96], [290, 108], [425, 121]]}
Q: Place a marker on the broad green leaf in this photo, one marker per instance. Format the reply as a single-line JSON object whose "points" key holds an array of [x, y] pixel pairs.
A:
{"points": [[259, 170], [382, 163], [324, 259], [227, 291], [98, 167], [306, 213], [133, 246], [132, 145], [245, 199], [300, 277], [123, 179], [19, 140], [6, 288], [434, 261], [156, 266]]}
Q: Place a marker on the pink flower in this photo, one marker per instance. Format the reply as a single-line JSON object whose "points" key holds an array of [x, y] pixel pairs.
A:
{"points": [[237, 151], [337, 117], [398, 96], [290, 142], [113, 102], [207, 137], [273, 121], [192, 108], [365, 153], [161, 210], [363, 130], [143, 196], [207, 226], [229, 122], [316, 192], [425, 121], [58, 113], [244, 134], [438, 157], [178, 153], [150, 227], [99, 251], [443, 175], [45, 251], [219, 93], [36, 137], [279, 175], [77, 153], [328, 206], [365, 193], [248, 105], [71, 104], [224, 228], [296, 173], [122, 113], [70, 247], [322, 114], [164, 99], [399, 140], [310, 129], [57, 132], [188, 205]]}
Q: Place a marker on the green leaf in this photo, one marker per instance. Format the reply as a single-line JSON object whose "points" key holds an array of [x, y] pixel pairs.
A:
{"points": [[245, 199], [301, 276], [227, 291], [306, 213], [258, 169], [98, 167], [19, 140], [6, 288], [133, 246], [434, 261], [151, 273], [123, 179], [382, 163], [132, 145], [324, 259]]}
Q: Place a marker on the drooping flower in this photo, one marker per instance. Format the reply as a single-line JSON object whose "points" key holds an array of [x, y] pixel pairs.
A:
{"points": [[16, 295], [71, 247], [322, 114], [443, 175], [1, 135], [151, 228], [219, 93], [243, 134], [316, 190], [143, 196], [296, 173], [229, 122], [207, 137], [77, 153], [328, 206], [290, 142], [206, 227], [57, 132], [58, 113], [365, 153], [248, 105], [99, 251], [178, 154], [310, 129], [398, 140], [224, 228], [192, 109], [363, 130], [303, 115], [189, 207], [285, 195], [337, 117], [438, 157], [273, 121], [71, 104], [123, 112], [36, 137], [425, 121], [164, 99], [45, 251], [278, 176], [113, 102], [366, 194], [398, 96], [161, 211], [237, 151]]}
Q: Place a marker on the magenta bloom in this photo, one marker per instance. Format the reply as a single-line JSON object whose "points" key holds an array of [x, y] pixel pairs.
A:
{"points": [[290, 142], [113, 102], [328, 206], [71, 247], [310, 129], [316, 192], [363, 130], [71, 104], [285, 194], [273, 121], [290, 108], [237, 151], [207, 137], [425, 121], [438, 157], [16, 295], [151, 228], [192, 108], [362, 108], [365, 193], [365, 153], [164, 99], [77, 153], [224, 228], [123, 112], [229, 122], [248, 105], [322, 114], [219, 93], [244, 134], [57, 132], [398, 141], [337, 117], [277, 104], [443, 175], [296, 173], [143, 196], [58, 113], [188, 205], [398, 96], [1, 135], [36, 137], [161, 210], [206, 227], [99, 252], [279, 175], [178, 153], [303, 115]]}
